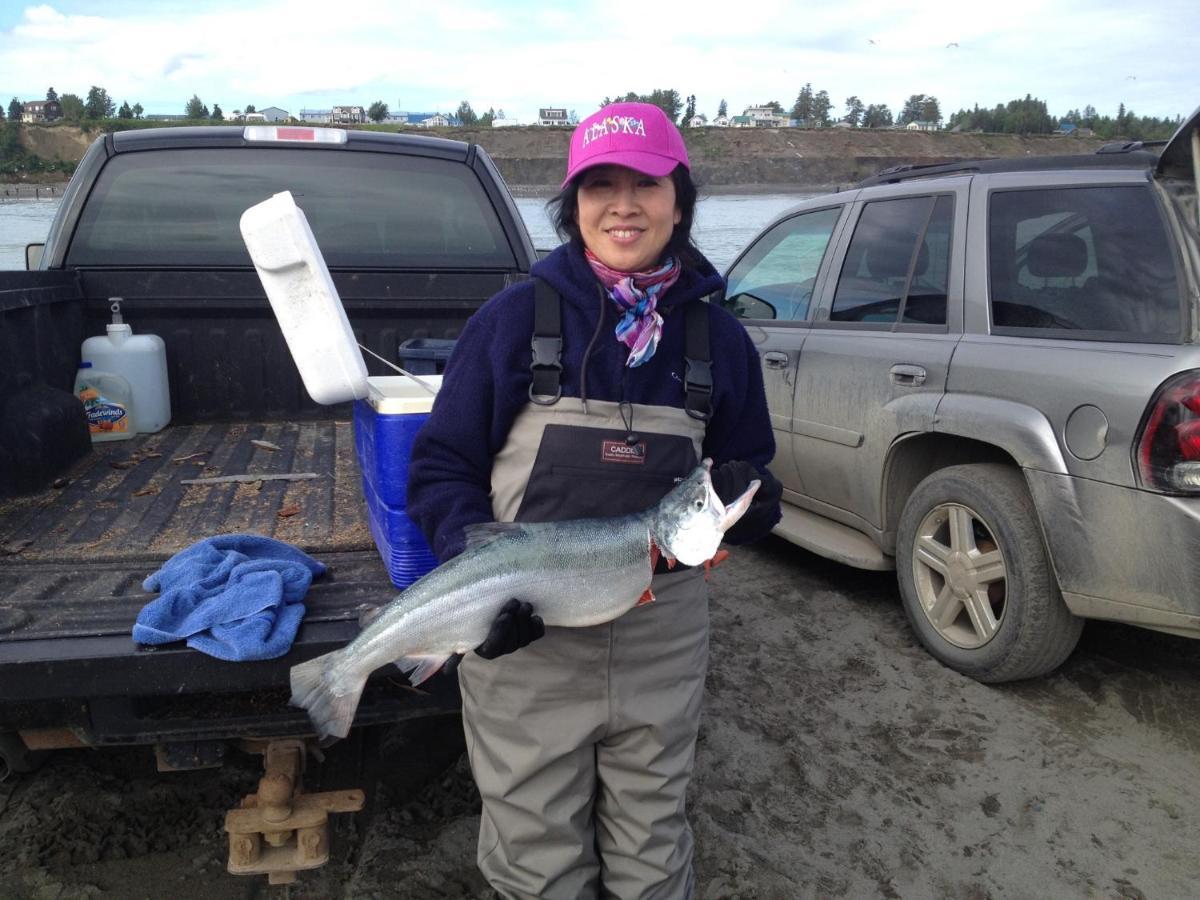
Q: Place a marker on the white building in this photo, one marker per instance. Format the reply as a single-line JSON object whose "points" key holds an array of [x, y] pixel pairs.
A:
{"points": [[553, 116], [764, 117], [316, 116], [347, 115], [275, 114]]}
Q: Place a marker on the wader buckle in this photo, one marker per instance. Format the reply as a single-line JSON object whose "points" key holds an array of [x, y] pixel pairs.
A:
{"points": [[545, 388], [698, 388]]}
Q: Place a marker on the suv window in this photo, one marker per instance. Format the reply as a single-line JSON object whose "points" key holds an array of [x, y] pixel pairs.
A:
{"points": [[1084, 259], [775, 280], [897, 266], [366, 210]]}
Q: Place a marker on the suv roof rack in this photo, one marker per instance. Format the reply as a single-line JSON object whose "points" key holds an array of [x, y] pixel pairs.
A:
{"points": [[1128, 158], [1129, 146]]}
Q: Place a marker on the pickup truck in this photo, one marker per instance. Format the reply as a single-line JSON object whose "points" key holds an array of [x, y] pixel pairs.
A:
{"points": [[417, 232]]}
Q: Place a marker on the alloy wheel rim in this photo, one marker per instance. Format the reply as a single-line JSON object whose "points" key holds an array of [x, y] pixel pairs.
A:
{"points": [[961, 575]]}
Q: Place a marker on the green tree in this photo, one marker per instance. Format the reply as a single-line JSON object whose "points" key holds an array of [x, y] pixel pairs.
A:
{"points": [[877, 116], [920, 108], [195, 108], [466, 116], [854, 111], [802, 109], [125, 112], [51, 95], [72, 107], [821, 104], [98, 104], [249, 108], [377, 111], [137, 110], [14, 110], [667, 100], [217, 113], [689, 111], [486, 120], [722, 108]]}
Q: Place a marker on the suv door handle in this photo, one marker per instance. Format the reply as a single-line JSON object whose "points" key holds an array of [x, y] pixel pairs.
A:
{"points": [[775, 360], [910, 375]]}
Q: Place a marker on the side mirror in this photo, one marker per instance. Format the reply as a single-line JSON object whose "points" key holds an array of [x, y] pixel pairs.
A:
{"points": [[747, 306], [33, 256]]}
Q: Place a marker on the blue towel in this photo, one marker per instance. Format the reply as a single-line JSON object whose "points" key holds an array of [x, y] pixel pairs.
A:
{"points": [[235, 597]]}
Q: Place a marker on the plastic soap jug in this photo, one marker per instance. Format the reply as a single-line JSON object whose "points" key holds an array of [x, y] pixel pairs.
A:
{"points": [[142, 360], [108, 401]]}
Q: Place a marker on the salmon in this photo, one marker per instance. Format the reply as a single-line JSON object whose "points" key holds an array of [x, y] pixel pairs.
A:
{"points": [[574, 573]]}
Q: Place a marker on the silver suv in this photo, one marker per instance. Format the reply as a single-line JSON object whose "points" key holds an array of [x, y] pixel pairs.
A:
{"points": [[986, 375]]}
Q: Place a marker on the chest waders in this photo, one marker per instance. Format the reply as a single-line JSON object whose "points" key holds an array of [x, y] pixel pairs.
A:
{"points": [[582, 744]]}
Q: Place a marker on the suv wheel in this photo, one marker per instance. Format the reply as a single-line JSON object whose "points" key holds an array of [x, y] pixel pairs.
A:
{"points": [[975, 576]]}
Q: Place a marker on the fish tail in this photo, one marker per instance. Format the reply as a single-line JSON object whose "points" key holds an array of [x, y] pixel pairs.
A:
{"points": [[330, 699]]}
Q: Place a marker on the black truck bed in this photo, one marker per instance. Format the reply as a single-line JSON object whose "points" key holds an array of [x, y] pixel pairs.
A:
{"points": [[76, 556]]}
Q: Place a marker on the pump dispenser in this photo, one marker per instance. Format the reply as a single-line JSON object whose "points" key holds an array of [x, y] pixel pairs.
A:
{"points": [[142, 360]]}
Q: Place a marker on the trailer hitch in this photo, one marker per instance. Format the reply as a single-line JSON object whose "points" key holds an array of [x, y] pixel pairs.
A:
{"points": [[280, 830]]}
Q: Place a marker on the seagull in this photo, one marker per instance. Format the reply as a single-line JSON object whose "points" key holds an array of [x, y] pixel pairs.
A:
{"points": [[873, 42], [1131, 78], [952, 44]]}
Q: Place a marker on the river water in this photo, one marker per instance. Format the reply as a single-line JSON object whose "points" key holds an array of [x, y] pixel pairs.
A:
{"points": [[723, 225]]}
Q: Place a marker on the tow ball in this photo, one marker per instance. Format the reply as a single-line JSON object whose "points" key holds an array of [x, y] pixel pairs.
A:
{"points": [[280, 830]]}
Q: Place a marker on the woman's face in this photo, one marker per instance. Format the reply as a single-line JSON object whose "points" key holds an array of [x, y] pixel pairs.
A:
{"points": [[626, 218]]}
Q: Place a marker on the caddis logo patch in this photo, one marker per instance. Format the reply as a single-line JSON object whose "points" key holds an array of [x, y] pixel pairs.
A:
{"points": [[621, 452]]}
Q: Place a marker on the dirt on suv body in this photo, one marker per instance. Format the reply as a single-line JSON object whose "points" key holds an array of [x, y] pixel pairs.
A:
{"points": [[986, 375]]}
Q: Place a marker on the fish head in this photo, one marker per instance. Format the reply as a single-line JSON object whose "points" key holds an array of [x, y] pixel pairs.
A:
{"points": [[690, 521]]}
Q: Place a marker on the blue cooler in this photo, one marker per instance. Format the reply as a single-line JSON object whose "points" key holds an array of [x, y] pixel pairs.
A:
{"points": [[385, 424]]}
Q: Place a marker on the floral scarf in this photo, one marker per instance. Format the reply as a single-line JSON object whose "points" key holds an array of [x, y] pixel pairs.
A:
{"points": [[636, 295]]}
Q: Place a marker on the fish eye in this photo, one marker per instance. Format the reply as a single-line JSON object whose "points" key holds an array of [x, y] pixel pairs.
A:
{"points": [[698, 504]]}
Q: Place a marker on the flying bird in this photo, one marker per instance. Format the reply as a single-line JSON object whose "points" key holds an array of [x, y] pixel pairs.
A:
{"points": [[952, 44], [873, 42], [1131, 78]]}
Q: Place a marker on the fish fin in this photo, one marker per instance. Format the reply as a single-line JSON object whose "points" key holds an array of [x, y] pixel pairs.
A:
{"points": [[483, 533], [655, 555], [421, 668], [331, 712], [368, 615], [719, 557], [647, 597]]}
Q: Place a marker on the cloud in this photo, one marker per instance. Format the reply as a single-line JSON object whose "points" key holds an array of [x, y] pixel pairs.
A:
{"points": [[421, 55]]}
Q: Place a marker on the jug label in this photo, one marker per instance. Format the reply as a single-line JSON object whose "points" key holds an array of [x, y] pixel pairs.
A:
{"points": [[103, 415]]}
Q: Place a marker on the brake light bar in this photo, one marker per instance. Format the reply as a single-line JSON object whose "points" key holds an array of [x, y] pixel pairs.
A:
{"points": [[294, 134], [1167, 451]]}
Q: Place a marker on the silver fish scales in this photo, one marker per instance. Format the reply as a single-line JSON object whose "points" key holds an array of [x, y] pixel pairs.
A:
{"points": [[575, 573]]}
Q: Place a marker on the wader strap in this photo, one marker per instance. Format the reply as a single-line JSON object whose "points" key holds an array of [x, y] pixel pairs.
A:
{"points": [[697, 377], [546, 368]]}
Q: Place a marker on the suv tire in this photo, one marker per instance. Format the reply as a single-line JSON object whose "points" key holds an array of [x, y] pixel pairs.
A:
{"points": [[976, 579]]}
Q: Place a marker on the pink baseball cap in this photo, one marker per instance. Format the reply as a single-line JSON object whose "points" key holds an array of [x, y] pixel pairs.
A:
{"points": [[637, 135]]}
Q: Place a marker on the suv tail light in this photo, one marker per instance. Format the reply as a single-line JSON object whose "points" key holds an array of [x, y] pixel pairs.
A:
{"points": [[1168, 445]]}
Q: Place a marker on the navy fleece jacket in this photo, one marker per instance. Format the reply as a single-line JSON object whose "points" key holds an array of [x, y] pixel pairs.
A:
{"points": [[486, 384]]}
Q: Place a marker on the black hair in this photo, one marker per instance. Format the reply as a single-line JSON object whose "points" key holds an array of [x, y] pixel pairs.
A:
{"points": [[563, 208]]}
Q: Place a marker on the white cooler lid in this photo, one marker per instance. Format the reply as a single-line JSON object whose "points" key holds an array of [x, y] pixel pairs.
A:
{"points": [[391, 395]]}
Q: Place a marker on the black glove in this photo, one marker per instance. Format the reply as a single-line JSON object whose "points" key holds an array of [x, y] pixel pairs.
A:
{"points": [[730, 481], [514, 627]]}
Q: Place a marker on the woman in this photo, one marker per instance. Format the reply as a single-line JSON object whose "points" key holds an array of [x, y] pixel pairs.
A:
{"points": [[582, 744]]}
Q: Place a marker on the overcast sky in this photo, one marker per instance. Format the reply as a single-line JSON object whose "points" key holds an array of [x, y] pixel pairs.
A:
{"points": [[518, 56]]}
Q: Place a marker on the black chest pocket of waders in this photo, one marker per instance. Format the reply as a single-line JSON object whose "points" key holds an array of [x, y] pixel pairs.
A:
{"points": [[583, 473]]}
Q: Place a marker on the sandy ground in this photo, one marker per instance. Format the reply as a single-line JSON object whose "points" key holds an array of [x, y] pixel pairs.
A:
{"points": [[836, 760]]}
